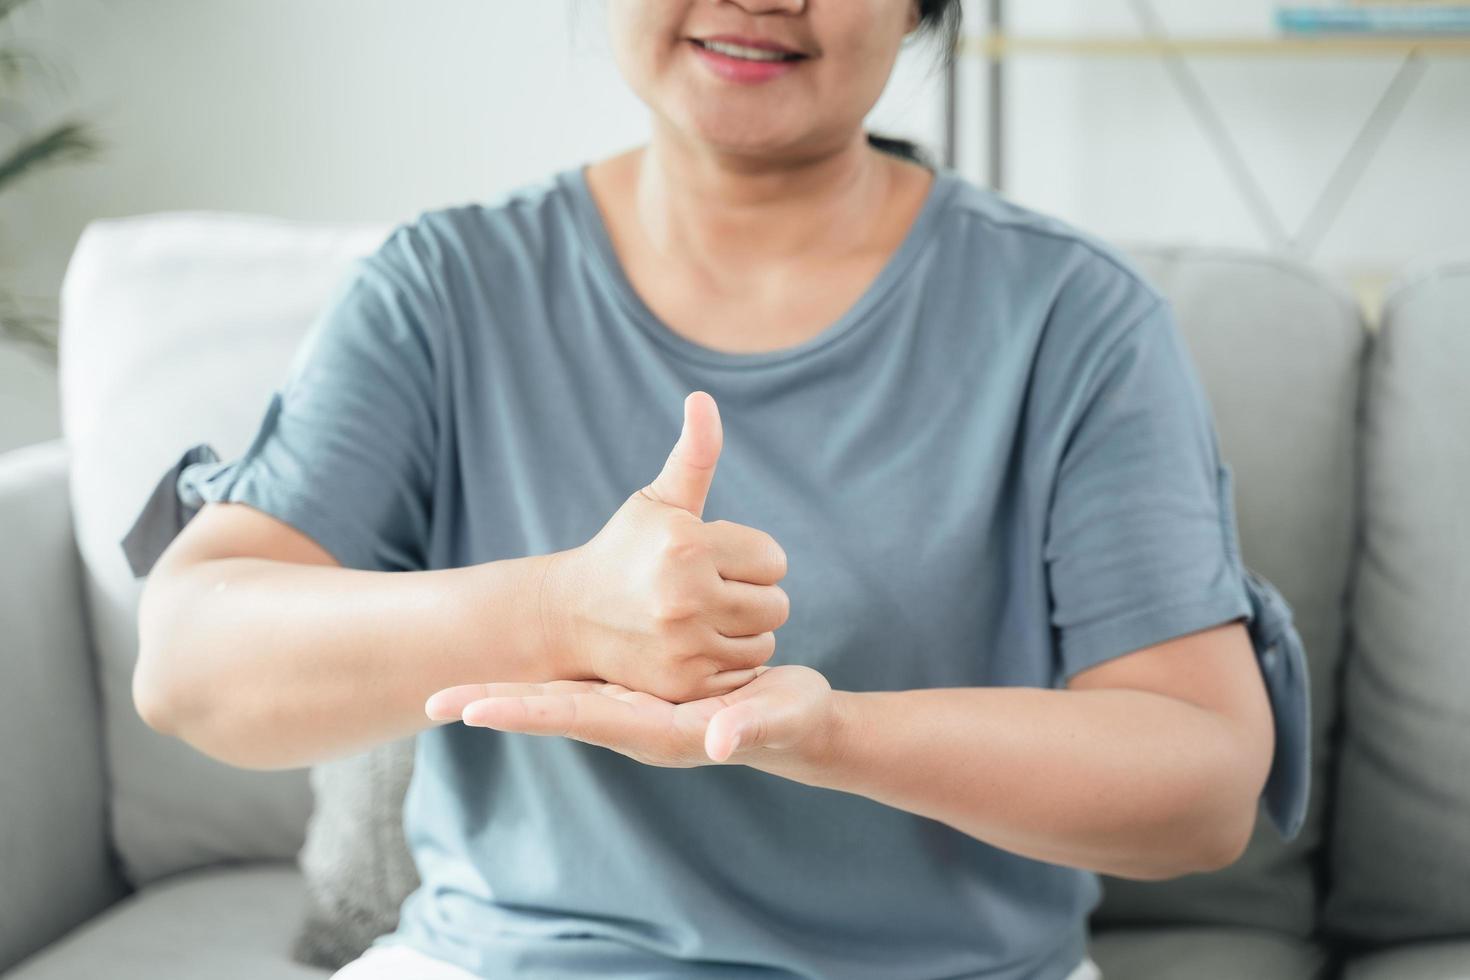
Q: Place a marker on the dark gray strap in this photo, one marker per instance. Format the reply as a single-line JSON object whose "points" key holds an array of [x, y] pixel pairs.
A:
{"points": [[1283, 662], [164, 515]]}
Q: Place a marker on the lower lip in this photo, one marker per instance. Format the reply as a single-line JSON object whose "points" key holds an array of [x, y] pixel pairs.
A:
{"points": [[742, 70]]}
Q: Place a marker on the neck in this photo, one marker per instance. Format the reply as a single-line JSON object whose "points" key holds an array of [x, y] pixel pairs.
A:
{"points": [[725, 212]]}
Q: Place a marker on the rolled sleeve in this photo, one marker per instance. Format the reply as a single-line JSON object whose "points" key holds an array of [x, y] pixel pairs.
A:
{"points": [[1141, 544], [1138, 548], [345, 450]]}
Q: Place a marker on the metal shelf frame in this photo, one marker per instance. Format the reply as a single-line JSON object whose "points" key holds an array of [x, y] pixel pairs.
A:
{"points": [[1413, 54]]}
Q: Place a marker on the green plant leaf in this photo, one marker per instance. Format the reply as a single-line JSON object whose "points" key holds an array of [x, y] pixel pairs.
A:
{"points": [[19, 65], [67, 141], [40, 331], [8, 6]]}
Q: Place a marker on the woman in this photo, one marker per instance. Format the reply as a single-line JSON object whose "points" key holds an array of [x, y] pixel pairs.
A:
{"points": [[964, 467]]}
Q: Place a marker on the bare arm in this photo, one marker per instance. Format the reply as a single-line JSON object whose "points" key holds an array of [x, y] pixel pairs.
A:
{"points": [[1149, 766], [283, 661]]}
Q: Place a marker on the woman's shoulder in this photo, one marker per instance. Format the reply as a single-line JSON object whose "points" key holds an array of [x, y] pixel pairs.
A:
{"points": [[1037, 245], [522, 224]]}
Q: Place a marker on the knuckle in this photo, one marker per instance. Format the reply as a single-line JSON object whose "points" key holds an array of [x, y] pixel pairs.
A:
{"points": [[783, 605], [680, 544], [695, 666], [679, 688], [671, 608], [692, 678], [752, 652], [681, 653], [761, 648], [778, 556]]}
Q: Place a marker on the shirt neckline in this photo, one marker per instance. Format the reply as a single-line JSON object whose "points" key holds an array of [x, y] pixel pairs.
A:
{"points": [[595, 234]]}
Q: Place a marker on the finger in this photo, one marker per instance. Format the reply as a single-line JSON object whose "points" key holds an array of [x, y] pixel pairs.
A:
{"points": [[742, 609], [739, 652], [740, 726], [757, 715], [690, 468], [745, 554], [726, 681], [449, 704], [592, 718]]}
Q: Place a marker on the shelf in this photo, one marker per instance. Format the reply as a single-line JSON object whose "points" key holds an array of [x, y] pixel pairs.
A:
{"points": [[1411, 57], [1412, 53], [999, 46]]}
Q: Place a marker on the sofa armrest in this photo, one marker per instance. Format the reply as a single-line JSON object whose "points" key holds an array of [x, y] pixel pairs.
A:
{"points": [[58, 866]]}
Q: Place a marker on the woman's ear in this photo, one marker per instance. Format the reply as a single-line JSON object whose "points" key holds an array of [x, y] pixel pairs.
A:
{"points": [[916, 14]]}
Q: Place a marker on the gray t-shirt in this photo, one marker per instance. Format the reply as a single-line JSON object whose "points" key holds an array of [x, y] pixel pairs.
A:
{"points": [[998, 467]]}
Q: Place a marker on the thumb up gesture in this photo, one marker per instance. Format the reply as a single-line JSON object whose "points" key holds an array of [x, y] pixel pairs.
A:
{"points": [[661, 601]]}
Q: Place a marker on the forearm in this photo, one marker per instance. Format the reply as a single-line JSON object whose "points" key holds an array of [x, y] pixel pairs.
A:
{"points": [[1128, 783], [268, 664]]}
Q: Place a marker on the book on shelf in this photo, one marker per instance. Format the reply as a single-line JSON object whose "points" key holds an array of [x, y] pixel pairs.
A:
{"points": [[1398, 17]]}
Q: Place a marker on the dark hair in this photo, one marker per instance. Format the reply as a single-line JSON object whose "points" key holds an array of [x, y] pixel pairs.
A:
{"points": [[942, 19]]}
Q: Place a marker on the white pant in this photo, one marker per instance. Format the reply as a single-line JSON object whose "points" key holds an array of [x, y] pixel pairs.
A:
{"points": [[1086, 970], [396, 961], [400, 962]]}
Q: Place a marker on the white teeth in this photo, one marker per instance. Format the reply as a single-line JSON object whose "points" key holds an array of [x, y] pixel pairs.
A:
{"points": [[740, 51]]}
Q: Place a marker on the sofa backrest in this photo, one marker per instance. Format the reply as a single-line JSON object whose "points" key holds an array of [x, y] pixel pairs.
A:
{"points": [[175, 329], [1280, 350], [1400, 843]]}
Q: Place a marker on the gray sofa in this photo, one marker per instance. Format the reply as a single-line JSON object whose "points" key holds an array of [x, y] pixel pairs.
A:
{"points": [[124, 854]]}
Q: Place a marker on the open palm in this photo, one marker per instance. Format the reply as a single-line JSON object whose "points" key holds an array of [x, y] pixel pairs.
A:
{"points": [[783, 710]]}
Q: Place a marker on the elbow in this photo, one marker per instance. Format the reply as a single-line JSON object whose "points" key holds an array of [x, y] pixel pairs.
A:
{"points": [[159, 711], [149, 701], [150, 698], [1206, 841], [1219, 853], [1224, 845], [1234, 795], [161, 705], [1238, 825], [1230, 845]]}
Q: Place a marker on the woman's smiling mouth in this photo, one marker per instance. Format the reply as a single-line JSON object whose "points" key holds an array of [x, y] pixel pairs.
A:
{"points": [[743, 61]]}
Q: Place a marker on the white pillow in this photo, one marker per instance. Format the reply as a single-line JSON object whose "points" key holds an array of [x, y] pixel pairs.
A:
{"points": [[175, 330]]}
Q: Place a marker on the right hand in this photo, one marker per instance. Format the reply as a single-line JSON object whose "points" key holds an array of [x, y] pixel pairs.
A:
{"points": [[660, 601]]}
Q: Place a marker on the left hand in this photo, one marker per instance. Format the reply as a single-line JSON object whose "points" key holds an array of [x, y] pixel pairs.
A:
{"points": [[785, 715]]}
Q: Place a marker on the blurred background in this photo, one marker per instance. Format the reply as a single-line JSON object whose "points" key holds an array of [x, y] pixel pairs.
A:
{"points": [[1352, 152]]}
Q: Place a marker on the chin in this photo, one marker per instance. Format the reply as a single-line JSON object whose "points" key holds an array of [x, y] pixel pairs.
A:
{"points": [[730, 137]]}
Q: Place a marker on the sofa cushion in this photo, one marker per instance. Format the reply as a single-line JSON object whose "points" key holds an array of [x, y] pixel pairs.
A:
{"points": [[175, 330], [1400, 855], [55, 864], [1447, 960], [28, 396], [1279, 349], [232, 922], [1206, 953], [356, 859]]}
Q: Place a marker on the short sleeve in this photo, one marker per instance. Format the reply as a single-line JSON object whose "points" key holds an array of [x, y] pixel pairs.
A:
{"points": [[1141, 544], [345, 450]]}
